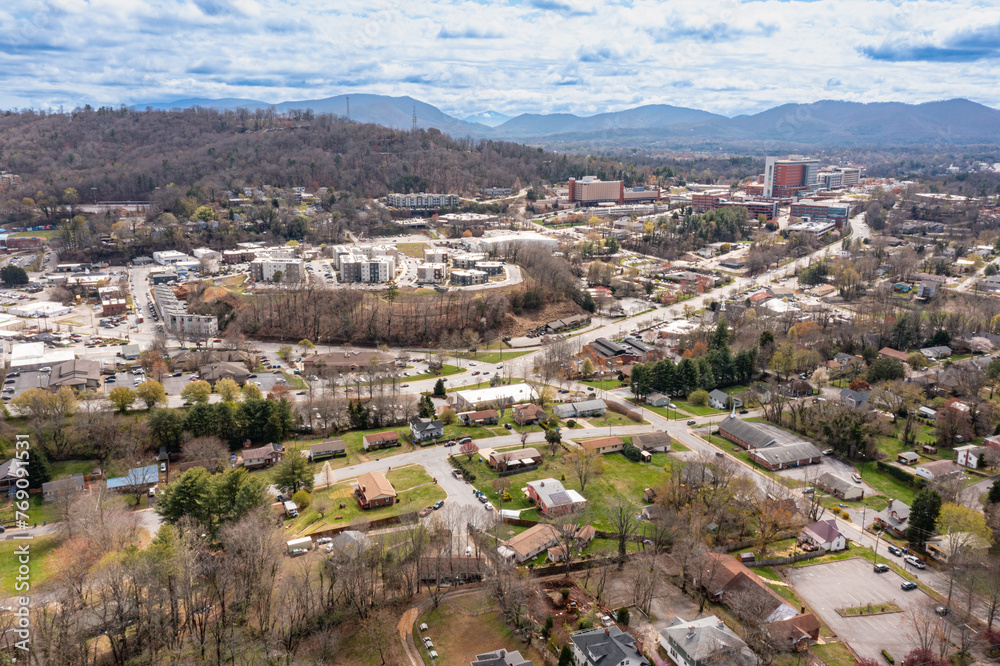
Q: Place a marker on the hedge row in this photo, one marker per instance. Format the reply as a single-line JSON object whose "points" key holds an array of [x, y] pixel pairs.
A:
{"points": [[900, 474]]}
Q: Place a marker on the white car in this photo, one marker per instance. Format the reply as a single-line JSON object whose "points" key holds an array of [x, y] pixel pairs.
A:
{"points": [[488, 506], [323, 540]]}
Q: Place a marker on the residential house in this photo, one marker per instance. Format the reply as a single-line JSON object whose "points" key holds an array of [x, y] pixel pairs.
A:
{"points": [[892, 353], [9, 474], [723, 577], [968, 455], [796, 633], [423, 429], [62, 488], [330, 448], [552, 498], [747, 435], [349, 544], [945, 546], [795, 388], [706, 641], [528, 414], [567, 323], [521, 460], [925, 412], [482, 417], [839, 487], [824, 534], [657, 400], [795, 454], [138, 478], [937, 470], [927, 289], [848, 360], [501, 658], [607, 647], [895, 518], [374, 490], [720, 400], [934, 353], [264, 456], [694, 475], [530, 543], [77, 374], [654, 441], [380, 440], [603, 445], [213, 372], [857, 399], [907, 458], [574, 410]]}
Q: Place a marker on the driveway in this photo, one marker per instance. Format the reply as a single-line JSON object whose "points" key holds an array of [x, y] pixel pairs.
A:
{"points": [[851, 583]]}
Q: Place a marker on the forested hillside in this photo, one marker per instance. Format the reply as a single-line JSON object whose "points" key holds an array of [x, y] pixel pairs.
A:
{"points": [[135, 155]]}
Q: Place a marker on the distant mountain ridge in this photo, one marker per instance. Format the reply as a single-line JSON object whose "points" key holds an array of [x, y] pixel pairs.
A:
{"points": [[826, 122]]}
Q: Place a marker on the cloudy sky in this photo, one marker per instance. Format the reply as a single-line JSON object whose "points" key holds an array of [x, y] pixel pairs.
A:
{"points": [[464, 56]]}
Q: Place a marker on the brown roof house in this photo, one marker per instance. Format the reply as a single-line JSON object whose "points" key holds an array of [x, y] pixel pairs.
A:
{"points": [[264, 456], [374, 490], [330, 448], [603, 445], [724, 578], [482, 417], [528, 414], [654, 441], [380, 440], [77, 374], [516, 459], [530, 543], [213, 372]]}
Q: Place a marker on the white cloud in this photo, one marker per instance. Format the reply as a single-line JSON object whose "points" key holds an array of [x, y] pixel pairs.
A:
{"points": [[724, 56]]}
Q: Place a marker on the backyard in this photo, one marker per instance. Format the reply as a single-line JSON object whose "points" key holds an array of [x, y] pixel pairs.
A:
{"points": [[414, 486], [42, 566], [618, 475]]}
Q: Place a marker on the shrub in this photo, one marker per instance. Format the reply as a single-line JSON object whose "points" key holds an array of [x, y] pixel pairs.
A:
{"points": [[698, 398], [623, 616], [301, 499], [571, 423], [631, 452], [900, 474]]}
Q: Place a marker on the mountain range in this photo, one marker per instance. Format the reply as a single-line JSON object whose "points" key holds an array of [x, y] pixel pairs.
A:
{"points": [[822, 123]]}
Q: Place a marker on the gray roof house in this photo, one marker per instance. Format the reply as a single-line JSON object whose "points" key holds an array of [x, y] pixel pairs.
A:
{"points": [[653, 441], [936, 352], [501, 658], [348, 543], [603, 647], [703, 642], [583, 408], [795, 454], [423, 429], [329, 448], [657, 400], [720, 400], [839, 487], [895, 517], [747, 435], [854, 398], [63, 487]]}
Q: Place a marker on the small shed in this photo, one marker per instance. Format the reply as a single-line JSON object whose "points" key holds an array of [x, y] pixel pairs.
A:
{"points": [[304, 542], [908, 458], [927, 448], [645, 456]]}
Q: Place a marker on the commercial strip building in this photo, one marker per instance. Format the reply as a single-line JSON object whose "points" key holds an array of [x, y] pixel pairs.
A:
{"points": [[176, 317]]}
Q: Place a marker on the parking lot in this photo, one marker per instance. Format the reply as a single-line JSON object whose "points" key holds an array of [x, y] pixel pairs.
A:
{"points": [[851, 583]]}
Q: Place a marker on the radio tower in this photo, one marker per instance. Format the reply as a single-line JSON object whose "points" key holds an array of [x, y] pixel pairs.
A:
{"points": [[414, 116], [348, 108]]}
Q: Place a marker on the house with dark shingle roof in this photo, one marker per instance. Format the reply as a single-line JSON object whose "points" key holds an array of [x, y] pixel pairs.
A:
{"points": [[854, 398], [423, 429], [704, 641], [825, 534], [747, 435], [653, 441], [330, 448], [603, 647], [895, 518]]}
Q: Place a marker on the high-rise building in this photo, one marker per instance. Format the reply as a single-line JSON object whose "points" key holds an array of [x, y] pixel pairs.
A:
{"points": [[790, 177]]}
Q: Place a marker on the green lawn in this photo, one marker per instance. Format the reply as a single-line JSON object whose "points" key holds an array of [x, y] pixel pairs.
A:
{"points": [[612, 419], [605, 384], [697, 410], [834, 654], [886, 485], [40, 548], [483, 384], [49, 233], [295, 382], [665, 412], [497, 356], [446, 370], [38, 511], [619, 475], [413, 484], [65, 468]]}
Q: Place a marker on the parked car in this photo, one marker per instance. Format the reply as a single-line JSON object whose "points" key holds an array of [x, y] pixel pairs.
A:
{"points": [[437, 505], [941, 610], [692, 422], [881, 568], [915, 561], [744, 411], [426, 511], [323, 540], [896, 550], [856, 477], [488, 506], [908, 585], [828, 452]]}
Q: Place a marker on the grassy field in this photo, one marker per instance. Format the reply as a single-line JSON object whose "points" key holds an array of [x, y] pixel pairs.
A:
{"points": [[697, 410], [605, 384], [665, 412], [619, 475], [415, 250], [446, 371], [66, 468], [48, 234], [834, 654], [40, 549], [612, 419], [482, 384], [459, 632], [413, 484]]}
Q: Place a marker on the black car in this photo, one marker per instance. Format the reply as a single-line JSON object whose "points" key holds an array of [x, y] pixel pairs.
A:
{"points": [[692, 422], [177, 374], [252, 376], [13, 374], [437, 505], [744, 411], [895, 550], [881, 568], [908, 585]]}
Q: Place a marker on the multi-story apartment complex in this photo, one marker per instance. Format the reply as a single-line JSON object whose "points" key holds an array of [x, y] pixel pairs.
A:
{"points": [[176, 317], [436, 255], [277, 270], [467, 260], [790, 177], [493, 192], [358, 268], [422, 201], [432, 272], [464, 278], [590, 190]]}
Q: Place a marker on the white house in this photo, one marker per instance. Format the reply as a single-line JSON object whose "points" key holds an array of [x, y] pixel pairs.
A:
{"points": [[704, 641], [824, 534], [936, 470], [720, 400], [968, 455]]}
